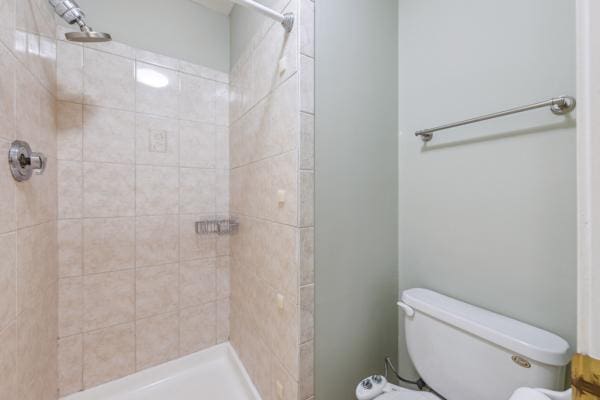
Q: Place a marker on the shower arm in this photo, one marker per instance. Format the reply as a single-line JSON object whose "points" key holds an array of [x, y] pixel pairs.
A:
{"points": [[286, 20], [69, 11]]}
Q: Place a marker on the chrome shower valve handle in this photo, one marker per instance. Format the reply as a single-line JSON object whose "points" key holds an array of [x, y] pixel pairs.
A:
{"points": [[38, 162], [23, 162]]}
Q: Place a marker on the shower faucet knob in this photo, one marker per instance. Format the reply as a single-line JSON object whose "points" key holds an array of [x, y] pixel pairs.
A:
{"points": [[38, 163], [23, 162]]}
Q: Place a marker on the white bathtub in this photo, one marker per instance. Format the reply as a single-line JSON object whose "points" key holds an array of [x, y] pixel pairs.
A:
{"points": [[215, 374]]}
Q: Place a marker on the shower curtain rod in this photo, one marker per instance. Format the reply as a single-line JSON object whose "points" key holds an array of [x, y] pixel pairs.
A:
{"points": [[286, 20]]}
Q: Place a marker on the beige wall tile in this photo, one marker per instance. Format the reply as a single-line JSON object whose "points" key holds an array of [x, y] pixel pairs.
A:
{"points": [[69, 71], [157, 190], [108, 190], [283, 332], [222, 191], [307, 199], [307, 256], [157, 340], [258, 360], [307, 313], [156, 290], [237, 91], [28, 108], [8, 219], [113, 47], [69, 135], [8, 65], [198, 282], [157, 140], [307, 84], [197, 144], [48, 123], [281, 377], [8, 362], [36, 199], [223, 277], [157, 90], [70, 248], [197, 191], [108, 244], [307, 140], [197, 328], [70, 364], [269, 250], [108, 80], [157, 240], [222, 245], [222, 320], [252, 302], [70, 306], [222, 148], [108, 354], [202, 71], [269, 129], [222, 104], [156, 59], [275, 46], [37, 263], [193, 246], [47, 60], [37, 365], [109, 299], [8, 279], [255, 188], [7, 22], [109, 135], [70, 189], [197, 101], [307, 28], [307, 389]]}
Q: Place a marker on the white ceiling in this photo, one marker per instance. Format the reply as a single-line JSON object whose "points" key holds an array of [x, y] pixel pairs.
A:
{"points": [[221, 6]]}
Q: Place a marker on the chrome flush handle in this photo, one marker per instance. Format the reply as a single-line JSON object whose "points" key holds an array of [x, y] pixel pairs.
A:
{"points": [[23, 162]]}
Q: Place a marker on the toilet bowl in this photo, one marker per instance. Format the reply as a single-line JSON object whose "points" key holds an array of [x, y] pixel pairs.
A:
{"points": [[520, 394], [540, 394], [464, 352], [405, 394]]}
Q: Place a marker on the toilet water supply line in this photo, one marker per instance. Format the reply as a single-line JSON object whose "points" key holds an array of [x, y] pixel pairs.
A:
{"points": [[286, 20], [420, 383]]}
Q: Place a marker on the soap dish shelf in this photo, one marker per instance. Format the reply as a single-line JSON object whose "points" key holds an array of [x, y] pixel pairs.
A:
{"points": [[217, 225]]}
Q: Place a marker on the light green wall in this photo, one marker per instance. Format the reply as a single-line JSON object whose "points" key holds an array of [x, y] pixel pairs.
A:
{"points": [[487, 212], [356, 192], [177, 28]]}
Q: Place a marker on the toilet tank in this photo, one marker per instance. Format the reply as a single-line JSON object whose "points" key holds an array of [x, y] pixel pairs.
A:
{"points": [[468, 353]]}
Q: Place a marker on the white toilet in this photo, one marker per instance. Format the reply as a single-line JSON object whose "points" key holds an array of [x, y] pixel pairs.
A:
{"points": [[464, 352]]}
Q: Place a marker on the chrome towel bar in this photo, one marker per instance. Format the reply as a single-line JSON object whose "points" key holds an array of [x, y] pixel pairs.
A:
{"points": [[559, 106]]}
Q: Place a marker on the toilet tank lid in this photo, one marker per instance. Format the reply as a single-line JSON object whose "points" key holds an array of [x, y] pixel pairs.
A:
{"points": [[518, 337]]}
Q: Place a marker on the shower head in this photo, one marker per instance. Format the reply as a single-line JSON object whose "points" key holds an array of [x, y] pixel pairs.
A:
{"points": [[69, 11], [88, 36]]}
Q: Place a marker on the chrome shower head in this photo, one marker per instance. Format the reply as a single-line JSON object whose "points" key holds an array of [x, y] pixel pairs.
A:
{"points": [[69, 11], [87, 35]]}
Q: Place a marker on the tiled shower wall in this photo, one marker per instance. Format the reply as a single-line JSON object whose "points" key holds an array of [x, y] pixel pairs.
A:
{"points": [[28, 257], [271, 149], [142, 155], [136, 166]]}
